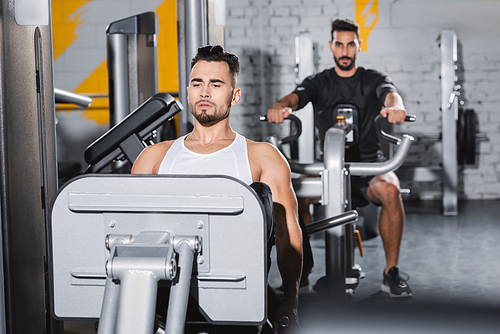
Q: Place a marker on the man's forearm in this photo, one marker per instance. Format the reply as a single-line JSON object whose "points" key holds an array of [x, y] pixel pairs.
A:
{"points": [[289, 254], [289, 260], [289, 101], [394, 100]]}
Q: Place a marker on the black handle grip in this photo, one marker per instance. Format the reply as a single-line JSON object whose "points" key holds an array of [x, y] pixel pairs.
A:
{"points": [[298, 128]]}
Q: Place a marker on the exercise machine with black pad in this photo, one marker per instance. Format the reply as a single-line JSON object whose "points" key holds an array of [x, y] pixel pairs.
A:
{"points": [[333, 189], [127, 139]]}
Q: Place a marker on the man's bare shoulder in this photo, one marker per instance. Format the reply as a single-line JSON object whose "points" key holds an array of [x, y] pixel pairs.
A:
{"points": [[266, 159], [157, 150], [151, 157], [267, 149]]}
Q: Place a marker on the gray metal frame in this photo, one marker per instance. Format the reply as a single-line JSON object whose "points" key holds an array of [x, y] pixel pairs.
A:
{"points": [[222, 213], [304, 67], [448, 172], [132, 63], [334, 190], [28, 166], [197, 26], [449, 117]]}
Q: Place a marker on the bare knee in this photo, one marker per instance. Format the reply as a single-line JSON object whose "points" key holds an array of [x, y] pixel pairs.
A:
{"points": [[385, 192], [389, 193]]}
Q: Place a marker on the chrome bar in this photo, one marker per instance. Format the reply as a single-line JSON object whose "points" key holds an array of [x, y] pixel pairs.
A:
{"points": [[308, 187], [325, 224], [307, 169], [377, 168], [63, 96]]}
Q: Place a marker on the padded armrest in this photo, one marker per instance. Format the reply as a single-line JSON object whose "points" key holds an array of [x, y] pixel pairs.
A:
{"points": [[137, 125]]}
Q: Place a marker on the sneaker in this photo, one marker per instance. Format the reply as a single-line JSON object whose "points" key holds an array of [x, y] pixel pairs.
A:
{"points": [[395, 285]]}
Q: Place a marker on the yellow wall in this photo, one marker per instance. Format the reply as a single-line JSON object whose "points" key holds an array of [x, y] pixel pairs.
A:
{"points": [[366, 12], [66, 18]]}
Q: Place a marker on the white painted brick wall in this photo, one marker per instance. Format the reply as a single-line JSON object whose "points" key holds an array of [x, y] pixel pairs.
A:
{"points": [[403, 45]]}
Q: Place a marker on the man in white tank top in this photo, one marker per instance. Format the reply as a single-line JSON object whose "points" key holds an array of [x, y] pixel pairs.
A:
{"points": [[214, 148]]}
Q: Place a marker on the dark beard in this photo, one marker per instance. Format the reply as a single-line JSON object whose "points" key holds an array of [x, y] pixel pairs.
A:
{"points": [[207, 120], [348, 67]]}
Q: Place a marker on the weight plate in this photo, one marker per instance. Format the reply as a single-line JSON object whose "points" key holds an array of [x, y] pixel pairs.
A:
{"points": [[470, 136], [461, 137]]}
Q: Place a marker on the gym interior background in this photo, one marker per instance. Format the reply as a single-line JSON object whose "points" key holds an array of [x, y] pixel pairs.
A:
{"points": [[400, 38]]}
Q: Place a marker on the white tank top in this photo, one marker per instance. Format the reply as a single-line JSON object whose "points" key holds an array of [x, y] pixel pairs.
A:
{"points": [[231, 160]]}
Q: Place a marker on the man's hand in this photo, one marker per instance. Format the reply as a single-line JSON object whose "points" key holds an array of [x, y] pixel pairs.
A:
{"points": [[290, 311], [394, 115], [281, 109], [277, 115]]}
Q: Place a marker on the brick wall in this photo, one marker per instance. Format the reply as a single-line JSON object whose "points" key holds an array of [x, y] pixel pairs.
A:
{"points": [[402, 44]]}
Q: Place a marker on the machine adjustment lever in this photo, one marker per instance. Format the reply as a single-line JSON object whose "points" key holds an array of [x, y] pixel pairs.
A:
{"points": [[453, 94]]}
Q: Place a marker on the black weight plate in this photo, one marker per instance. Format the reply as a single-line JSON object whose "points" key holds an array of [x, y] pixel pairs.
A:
{"points": [[461, 137], [470, 136]]}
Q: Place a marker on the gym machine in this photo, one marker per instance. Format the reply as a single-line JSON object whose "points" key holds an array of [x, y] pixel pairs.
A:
{"points": [[459, 135], [333, 189], [132, 66], [113, 237], [126, 232], [126, 140], [28, 165], [132, 63]]}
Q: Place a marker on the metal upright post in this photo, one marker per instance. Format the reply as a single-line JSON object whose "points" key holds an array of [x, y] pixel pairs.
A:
{"points": [[201, 22], [28, 164], [449, 108], [191, 15], [132, 66], [107, 320], [132, 63], [334, 178], [186, 247], [118, 78], [305, 67]]}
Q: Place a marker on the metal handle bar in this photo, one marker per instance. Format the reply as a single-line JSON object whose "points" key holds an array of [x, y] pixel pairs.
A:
{"points": [[384, 135], [307, 169], [298, 128], [362, 168], [62, 96], [324, 224], [377, 168]]}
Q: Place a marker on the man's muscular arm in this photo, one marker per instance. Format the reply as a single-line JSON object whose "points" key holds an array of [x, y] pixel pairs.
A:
{"points": [[394, 108], [150, 159], [275, 172], [281, 109]]}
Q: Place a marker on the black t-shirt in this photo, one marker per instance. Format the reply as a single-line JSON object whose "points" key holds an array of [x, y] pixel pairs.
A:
{"points": [[366, 89]]}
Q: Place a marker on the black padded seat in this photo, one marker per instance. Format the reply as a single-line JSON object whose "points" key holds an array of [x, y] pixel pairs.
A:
{"points": [[126, 139]]}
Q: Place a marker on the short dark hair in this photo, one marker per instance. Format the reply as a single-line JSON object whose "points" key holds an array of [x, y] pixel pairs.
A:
{"points": [[345, 25], [217, 53]]}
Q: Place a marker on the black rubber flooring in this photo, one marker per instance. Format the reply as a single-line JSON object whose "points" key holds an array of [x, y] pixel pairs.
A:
{"points": [[454, 269]]}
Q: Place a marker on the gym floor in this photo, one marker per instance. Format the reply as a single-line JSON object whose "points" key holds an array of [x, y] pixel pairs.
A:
{"points": [[454, 269]]}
